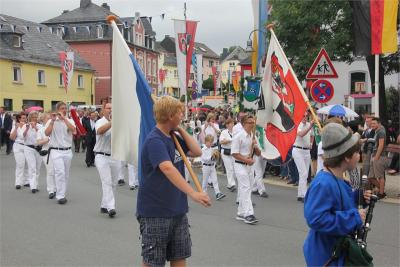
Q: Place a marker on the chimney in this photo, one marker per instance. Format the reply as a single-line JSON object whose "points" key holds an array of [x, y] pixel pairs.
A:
{"points": [[85, 3], [166, 36], [65, 11], [104, 5]]}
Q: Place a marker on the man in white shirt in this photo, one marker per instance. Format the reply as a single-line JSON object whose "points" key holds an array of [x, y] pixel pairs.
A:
{"points": [[238, 126], [60, 129], [243, 147], [301, 155], [106, 166]]}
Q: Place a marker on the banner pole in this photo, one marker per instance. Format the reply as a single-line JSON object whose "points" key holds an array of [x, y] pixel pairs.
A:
{"points": [[376, 85], [315, 117]]}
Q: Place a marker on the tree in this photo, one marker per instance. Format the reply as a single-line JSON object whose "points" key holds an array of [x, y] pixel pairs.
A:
{"points": [[303, 27], [208, 84]]}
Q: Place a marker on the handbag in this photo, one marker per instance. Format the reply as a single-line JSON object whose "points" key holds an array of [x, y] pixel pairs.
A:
{"points": [[227, 151], [354, 254]]}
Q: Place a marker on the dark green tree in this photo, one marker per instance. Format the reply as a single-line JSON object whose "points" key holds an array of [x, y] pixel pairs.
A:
{"points": [[303, 27], [208, 84]]}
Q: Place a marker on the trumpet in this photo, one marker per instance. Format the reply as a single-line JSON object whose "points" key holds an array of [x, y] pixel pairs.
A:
{"points": [[197, 131], [215, 155]]}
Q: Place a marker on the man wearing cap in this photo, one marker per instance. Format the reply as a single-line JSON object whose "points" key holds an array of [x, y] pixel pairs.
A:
{"points": [[330, 207]]}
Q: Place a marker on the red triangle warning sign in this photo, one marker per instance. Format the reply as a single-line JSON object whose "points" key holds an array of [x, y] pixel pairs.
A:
{"points": [[322, 67]]}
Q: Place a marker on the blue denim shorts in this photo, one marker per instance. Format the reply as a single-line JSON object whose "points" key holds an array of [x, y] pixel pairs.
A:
{"points": [[164, 239]]}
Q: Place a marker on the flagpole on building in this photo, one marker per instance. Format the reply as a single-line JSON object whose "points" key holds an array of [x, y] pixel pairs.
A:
{"points": [[315, 117], [376, 85]]}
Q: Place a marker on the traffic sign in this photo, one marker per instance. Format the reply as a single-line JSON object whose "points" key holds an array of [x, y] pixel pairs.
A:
{"points": [[322, 91], [322, 67]]}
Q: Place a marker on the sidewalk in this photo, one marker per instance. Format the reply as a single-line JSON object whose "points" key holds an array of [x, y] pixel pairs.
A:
{"points": [[392, 187]]}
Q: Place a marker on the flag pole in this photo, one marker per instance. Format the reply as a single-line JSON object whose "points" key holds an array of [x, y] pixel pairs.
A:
{"points": [[376, 85], [315, 117], [187, 49]]}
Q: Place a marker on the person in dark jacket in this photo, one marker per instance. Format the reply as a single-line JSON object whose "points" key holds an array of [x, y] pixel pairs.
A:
{"points": [[330, 207], [90, 138], [5, 129]]}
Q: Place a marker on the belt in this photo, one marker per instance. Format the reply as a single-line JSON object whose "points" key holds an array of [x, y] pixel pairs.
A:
{"points": [[240, 162], [214, 145], [55, 148], [31, 146], [300, 147], [205, 164], [102, 153], [19, 143]]}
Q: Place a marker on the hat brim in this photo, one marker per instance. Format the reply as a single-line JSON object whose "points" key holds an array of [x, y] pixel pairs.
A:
{"points": [[332, 153]]}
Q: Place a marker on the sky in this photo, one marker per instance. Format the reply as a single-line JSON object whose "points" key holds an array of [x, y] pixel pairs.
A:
{"points": [[222, 23]]}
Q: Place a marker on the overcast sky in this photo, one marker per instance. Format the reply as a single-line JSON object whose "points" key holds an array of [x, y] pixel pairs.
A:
{"points": [[222, 23]]}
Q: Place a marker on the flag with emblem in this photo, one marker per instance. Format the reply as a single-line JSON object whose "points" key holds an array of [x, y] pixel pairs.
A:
{"points": [[284, 103], [67, 67]]}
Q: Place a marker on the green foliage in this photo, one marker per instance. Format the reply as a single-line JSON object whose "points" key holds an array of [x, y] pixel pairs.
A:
{"points": [[208, 84], [392, 104], [304, 27]]}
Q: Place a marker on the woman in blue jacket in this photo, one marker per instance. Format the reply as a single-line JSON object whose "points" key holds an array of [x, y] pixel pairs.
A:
{"points": [[330, 207]]}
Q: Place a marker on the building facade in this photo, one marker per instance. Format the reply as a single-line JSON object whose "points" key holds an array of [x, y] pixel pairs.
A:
{"points": [[30, 68], [85, 29], [231, 63]]}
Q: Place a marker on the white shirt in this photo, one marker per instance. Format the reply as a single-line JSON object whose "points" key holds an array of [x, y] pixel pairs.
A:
{"points": [[211, 131], [2, 119], [241, 143], [305, 140], [206, 155], [20, 134], [226, 136], [320, 160], [60, 135], [31, 135], [103, 141], [92, 124], [41, 135], [237, 128]]}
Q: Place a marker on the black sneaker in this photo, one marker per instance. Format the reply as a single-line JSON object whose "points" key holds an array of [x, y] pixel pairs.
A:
{"points": [[264, 194], [52, 195], [34, 191], [220, 196], [381, 196], [231, 188], [121, 182], [103, 210], [111, 213], [27, 185], [62, 201], [210, 185], [251, 219], [300, 199], [133, 187], [17, 187]]}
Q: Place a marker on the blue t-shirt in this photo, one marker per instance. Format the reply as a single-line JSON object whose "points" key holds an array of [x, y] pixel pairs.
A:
{"points": [[157, 196], [327, 217]]}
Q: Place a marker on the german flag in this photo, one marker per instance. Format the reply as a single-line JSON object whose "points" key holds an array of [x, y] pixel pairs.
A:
{"points": [[375, 26]]}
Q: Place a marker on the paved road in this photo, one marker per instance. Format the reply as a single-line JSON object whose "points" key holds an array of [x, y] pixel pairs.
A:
{"points": [[36, 231]]}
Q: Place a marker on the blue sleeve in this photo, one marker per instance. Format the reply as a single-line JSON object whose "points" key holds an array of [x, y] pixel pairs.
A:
{"points": [[157, 151], [324, 216]]}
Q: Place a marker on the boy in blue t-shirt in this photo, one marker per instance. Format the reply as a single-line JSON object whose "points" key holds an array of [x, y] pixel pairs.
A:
{"points": [[162, 198]]}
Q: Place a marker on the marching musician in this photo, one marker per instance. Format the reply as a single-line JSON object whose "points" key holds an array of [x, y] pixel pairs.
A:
{"points": [[17, 135], [226, 143], [330, 207], [243, 147], [162, 198], [208, 159], [60, 130]]}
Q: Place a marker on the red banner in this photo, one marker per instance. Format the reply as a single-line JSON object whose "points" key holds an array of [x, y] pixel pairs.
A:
{"points": [[190, 37]]}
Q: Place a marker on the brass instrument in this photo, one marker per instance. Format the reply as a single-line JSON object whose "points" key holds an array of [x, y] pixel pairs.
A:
{"points": [[197, 130], [215, 155]]}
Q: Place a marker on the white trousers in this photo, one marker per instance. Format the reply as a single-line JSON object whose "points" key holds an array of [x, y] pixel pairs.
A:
{"points": [[259, 169], [50, 179], [133, 175], [61, 164], [245, 180], [108, 170], [302, 159], [19, 156], [210, 175], [230, 174], [120, 169], [34, 161]]}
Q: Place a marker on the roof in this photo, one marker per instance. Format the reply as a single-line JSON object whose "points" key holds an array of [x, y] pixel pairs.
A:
{"points": [[87, 12], [148, 29], [39, 46], [237, 54], [246, 61], [170, 60], [168, 44]]}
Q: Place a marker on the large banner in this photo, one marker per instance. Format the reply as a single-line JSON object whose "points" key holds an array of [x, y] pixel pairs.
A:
{"points": [[284, 105], [67, 67], [216, 78], [185, 32]]}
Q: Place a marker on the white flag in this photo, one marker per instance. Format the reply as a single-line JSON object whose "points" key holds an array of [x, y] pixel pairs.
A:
{"points": [[180, 47]]}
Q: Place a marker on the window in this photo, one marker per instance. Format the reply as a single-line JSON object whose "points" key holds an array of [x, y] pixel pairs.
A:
{"points": [[54, 103], [356, 77], [148, 70], [32, 103], [8, 104], [60, 32], [191, 76], [154, 68], [17, 74], [137, 39], [80, 81], [175, 73], [16, 41], [99, 31], [61, 80], [211, 63], [41, 78]]}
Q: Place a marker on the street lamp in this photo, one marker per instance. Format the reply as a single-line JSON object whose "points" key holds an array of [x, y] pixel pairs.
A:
{"points": [[249, 46]]}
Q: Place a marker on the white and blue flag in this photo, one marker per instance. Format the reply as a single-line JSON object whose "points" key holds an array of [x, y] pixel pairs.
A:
{"points": [[132, 114]]}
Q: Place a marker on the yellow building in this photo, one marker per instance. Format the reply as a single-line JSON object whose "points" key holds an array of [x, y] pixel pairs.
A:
{"points": [[231, 63], [30, 68]]}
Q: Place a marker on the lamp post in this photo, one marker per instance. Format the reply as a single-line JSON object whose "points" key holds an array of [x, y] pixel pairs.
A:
{"points": [[249, 45]]}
